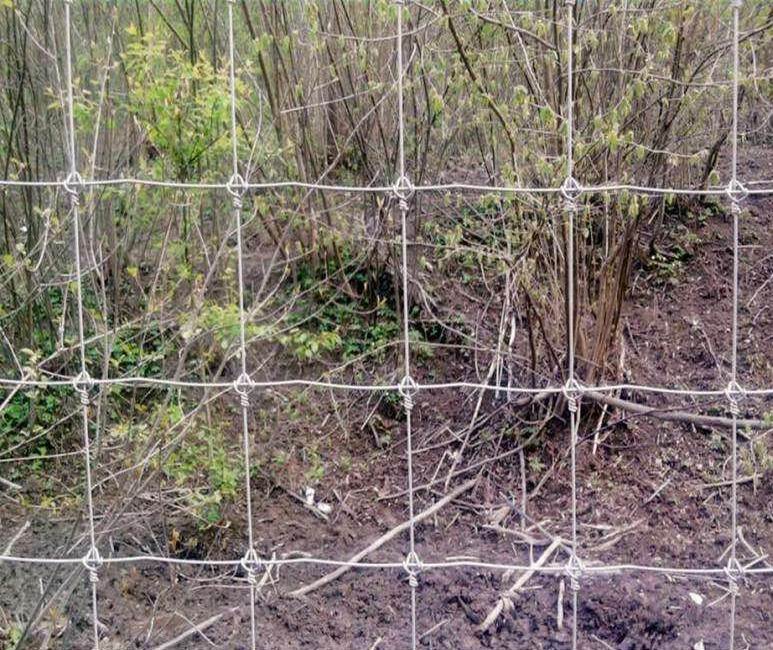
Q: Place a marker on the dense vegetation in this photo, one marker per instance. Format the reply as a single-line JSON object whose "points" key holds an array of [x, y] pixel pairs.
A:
{"points": [[485, 90]]}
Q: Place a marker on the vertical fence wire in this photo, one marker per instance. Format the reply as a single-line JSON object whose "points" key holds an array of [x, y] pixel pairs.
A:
{"points": [[242, 386], [82, 384], [403, 192], [571, 191], [737, 193]]}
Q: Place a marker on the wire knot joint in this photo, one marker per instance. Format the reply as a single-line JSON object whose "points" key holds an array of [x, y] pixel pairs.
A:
{"points": [[82, 384], [574, 570], [252, 566], [734, 572], [73, 186], [243, 385], [92, 562], [571, 190], [413, 567], [572, 393], [237, 188], [404, 190], [734, 393], [408, 389], [737, 193]]}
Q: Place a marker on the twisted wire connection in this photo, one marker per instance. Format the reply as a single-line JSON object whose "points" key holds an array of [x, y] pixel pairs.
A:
{"points": [[574, 570], [82, 384], [573, 394], [237, 188], [413, 567], [571, 193], [73, 186], [736, 191], [407, 390], [252, 565], [404, 190], [734, 572], [92, 562], [242, 386], [734, 394]]}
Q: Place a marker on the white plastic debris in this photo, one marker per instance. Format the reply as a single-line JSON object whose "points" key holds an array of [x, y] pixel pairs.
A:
{"points": [[699, 646], [697, 599], [310, 500]]}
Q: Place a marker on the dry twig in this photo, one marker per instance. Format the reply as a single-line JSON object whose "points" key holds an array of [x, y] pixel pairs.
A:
{"points": [[505, 599], [391, 534]]}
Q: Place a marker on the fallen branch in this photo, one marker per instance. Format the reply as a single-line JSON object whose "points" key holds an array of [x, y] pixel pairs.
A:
{"points": [[662, 487], [560, 606], [505, 599], [523, 536], [434, 628], [333, 575], [196, 629], [10, 484], [676, 416], [16, 537], [612, 538], [739, 481]]}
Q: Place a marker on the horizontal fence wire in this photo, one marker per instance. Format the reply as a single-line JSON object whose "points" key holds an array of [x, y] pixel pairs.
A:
{"points": [[378, 387], [599, 569], [390, 189]]}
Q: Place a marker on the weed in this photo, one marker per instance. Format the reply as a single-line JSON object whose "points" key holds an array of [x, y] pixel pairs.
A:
{"points": [[11, 636], [280, 458], [205, 469], [536, 466], [316, 471]]}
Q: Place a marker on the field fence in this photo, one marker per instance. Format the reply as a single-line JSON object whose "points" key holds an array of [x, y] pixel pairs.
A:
{"points": [[258, 569]]}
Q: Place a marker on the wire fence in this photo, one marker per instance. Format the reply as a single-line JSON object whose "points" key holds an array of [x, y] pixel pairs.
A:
{"points": [[403, 191]]}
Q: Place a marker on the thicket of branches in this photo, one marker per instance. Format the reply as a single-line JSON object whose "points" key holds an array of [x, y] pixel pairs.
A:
{"points": [[485, 100]]}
